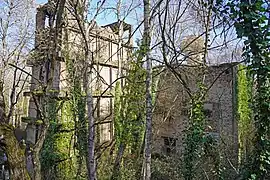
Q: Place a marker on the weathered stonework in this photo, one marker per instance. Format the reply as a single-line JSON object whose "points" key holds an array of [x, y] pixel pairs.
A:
{"points": [[109, 56], [170, 117]]}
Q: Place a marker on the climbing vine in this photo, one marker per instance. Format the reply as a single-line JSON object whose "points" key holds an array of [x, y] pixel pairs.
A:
{"points": [[49, 154], [57, 157], [196, 140], [66, 140], [251, 21], [129, 112], [244, 113], [77, 110], [194, 135]]}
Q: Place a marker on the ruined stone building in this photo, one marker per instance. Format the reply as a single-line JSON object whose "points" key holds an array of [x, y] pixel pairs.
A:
{"points": [[109, 45], [171, 112]]}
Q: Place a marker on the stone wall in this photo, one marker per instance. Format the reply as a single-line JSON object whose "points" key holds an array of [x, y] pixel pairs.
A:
{"points": [[109, 57], [170, 117]]}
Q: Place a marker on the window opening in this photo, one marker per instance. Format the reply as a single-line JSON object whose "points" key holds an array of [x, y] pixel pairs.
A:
{"points": [[169, 145]]}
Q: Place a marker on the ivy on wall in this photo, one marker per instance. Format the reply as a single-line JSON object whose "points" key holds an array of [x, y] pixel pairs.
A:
{"points": [[57, 156], [244, 113], [64, 151], [194, 135]]}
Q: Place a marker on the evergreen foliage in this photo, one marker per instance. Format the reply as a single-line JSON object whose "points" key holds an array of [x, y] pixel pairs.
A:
{"points": [[251, 20], [244, 113], [194, 135], [129, 110], [77, 110]]}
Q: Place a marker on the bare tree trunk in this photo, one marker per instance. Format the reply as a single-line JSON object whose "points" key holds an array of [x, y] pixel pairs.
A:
{"points": [[148, 128], [91, 138], [120, 33], [36, 153], [91, 163], [37, 166]]}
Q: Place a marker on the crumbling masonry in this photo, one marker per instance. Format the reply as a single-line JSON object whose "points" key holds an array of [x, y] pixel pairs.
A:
{"points": [[110, 47]]}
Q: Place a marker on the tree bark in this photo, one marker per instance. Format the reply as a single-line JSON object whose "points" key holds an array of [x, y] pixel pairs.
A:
{"points": [[36, 153], [91, 138], [117, 163], [15, 154], [91, 162], [148, 128]]}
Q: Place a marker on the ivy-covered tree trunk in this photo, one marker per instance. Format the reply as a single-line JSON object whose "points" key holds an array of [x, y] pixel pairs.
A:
{"points": [[119, 128], [15, 154], [48, 102], [79, 111], [49, 152]]}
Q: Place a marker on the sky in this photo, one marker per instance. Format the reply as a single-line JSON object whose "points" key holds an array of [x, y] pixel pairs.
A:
{"points": [[41, 1], [107, 18]]}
